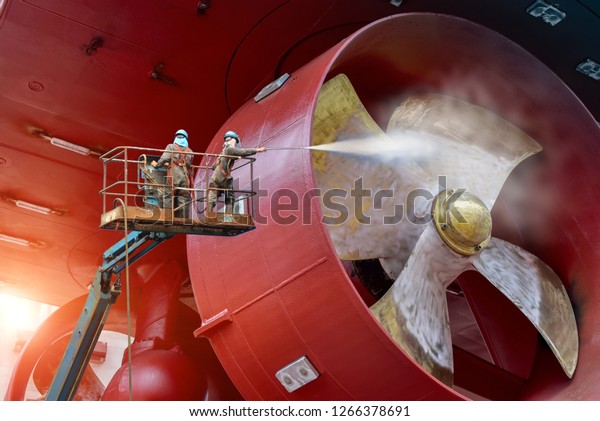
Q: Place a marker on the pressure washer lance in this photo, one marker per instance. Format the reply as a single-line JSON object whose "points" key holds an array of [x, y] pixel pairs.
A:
{"points": [[282, 149]]}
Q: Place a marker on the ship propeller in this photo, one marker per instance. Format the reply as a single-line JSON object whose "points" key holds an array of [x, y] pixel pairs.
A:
{"points": [[418, 198]]}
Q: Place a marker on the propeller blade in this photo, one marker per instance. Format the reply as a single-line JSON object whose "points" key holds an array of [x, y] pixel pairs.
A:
{"points": [[90, 388], [538, 292], [414, 311], [363, 201], [472, 147], [467, 147]]}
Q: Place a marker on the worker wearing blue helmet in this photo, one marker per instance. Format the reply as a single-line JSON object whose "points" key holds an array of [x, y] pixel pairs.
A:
{"points": [[221, 177], [232, 135], [178, 158]]}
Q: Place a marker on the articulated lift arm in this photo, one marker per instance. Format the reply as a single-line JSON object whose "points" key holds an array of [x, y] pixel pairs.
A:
{"points": [[103, 295]]}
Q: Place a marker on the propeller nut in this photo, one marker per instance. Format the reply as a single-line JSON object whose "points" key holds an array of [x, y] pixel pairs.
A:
{"points": [[462, 220]]}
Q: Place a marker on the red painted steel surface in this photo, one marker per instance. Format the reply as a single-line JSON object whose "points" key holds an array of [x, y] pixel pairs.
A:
{"points": [[158, 375], [286, 293], [107, 98], [159, 369], [167, 362]]}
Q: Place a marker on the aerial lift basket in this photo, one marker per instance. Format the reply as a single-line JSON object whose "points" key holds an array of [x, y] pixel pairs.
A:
{"points": [[134, 192]]}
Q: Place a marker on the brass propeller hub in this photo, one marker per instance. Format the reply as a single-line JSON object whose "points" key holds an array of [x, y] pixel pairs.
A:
{"points": [[462, 220]]}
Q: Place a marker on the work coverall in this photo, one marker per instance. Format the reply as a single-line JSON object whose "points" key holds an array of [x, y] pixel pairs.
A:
{"points": [[221, 177], [179, 170]]}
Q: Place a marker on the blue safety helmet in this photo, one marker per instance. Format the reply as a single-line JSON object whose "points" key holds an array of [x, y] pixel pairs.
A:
{"points": [[181, 138], [232, 135]]}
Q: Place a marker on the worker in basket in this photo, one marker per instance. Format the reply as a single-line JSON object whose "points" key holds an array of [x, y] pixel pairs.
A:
{"points": [[178, 158], [221, 177]]}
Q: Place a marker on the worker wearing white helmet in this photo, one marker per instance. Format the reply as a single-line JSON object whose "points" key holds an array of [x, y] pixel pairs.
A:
{"points": [[221, 177], [178, 159]]}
